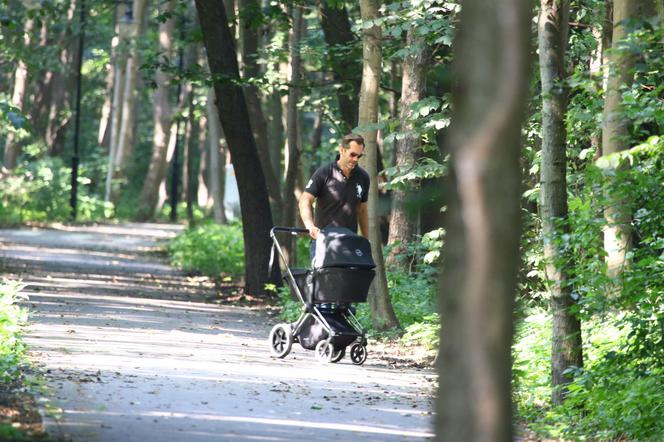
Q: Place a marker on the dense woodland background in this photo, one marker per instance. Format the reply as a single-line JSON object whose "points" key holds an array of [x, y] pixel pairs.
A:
{"points": [[515, 151]]}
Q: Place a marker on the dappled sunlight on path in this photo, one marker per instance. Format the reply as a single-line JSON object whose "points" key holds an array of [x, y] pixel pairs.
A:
{"points": [[151, 357]]}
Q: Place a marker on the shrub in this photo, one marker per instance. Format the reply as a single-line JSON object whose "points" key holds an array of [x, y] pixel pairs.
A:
{"points": [[12, 317], [40, 192], [210, 249]]}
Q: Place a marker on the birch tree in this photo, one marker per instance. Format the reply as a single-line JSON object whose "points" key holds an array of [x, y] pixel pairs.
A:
{"points": [[127, 114], [615, 129]]}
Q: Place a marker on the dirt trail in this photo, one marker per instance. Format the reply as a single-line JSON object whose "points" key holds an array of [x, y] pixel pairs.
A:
{"points": [[132, 350]]}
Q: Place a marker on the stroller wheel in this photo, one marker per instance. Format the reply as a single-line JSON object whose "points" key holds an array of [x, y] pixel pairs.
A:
{"points": [[358, 354], [324, 351], [281, 340], [338, 355]]}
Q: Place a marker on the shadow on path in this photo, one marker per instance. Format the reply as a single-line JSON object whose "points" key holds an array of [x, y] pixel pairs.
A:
{"points": [[132, 350]]}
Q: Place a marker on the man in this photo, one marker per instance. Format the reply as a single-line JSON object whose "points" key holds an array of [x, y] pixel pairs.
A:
{"points": [[340, 189]]}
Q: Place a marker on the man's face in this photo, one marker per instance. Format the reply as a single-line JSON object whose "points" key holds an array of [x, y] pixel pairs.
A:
{"points": [[349, 157]]}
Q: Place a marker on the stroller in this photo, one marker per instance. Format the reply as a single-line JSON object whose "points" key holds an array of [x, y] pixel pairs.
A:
{"points": [[342, 271]]}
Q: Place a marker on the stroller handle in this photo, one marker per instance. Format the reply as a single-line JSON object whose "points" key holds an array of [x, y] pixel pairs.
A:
{"points": [[291, 230]]}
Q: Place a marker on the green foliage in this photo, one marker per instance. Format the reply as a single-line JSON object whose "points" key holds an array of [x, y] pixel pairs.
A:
{"points": [[619, 391], [12, 317], [290, 308], [620, 402], [39, 191], [210, 249]]}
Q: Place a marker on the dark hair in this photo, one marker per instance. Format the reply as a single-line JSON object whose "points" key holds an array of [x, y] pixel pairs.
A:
{"points": [[346, 140]]}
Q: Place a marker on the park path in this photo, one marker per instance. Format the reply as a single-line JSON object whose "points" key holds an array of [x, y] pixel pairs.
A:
{"points": [[132, 350]]}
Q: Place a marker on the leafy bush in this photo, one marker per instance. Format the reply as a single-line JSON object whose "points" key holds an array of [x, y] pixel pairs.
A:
{"points": [[210, 249], [12, 318], [619, 394], [618, 402], [40, 192]]}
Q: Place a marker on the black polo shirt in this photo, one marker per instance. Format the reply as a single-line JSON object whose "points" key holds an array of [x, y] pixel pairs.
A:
{"points": [[337, 197]]}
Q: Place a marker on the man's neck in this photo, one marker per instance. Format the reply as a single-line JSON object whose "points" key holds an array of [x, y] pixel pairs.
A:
{"points": [[346, 172]]}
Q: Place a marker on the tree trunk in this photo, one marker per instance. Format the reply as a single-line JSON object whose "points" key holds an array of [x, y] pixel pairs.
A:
{"points": [[382, 313], [293, 147], [163, 114], [61, 83], [119, 59], [129, 94], [249, 39], [203, 194], [481, 253], [275, 128], [12, 146], [217, 160], [566, 340], [615, 133], [193, 158], [42, 90], [234, 117], [105, 125], [413, 85], [341, 44]]}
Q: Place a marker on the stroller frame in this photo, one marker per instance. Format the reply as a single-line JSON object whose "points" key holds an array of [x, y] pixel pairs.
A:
{"points": [[283, 335]]}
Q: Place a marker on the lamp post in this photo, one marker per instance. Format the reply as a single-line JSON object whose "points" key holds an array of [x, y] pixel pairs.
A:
{"points": [[77, 118]]}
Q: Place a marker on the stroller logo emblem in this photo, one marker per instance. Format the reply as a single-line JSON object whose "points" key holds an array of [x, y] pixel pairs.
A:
{"points": [[358, 252]]}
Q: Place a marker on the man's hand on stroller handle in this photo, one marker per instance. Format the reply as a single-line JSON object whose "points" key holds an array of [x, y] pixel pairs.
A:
{"points": [[313, 231]]}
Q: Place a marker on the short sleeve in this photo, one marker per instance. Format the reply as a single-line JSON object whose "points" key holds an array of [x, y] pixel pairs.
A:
{"points": [[317, 182], [365, 190]]}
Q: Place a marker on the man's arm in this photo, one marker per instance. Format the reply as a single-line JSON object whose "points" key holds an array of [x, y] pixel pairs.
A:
{"points": [[363, 218], [306, 213]]}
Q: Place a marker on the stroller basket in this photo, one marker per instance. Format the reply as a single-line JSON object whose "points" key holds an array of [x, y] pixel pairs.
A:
{"points": [[333, 284]]}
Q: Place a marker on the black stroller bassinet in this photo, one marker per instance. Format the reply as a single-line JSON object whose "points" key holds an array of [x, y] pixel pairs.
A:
{"points": [[341, 273]]}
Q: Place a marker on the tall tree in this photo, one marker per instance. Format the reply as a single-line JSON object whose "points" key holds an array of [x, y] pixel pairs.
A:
{"points": [[54, 84], [127, 123], [12, 146], [615, 129], [217, 173], [413, 84], [382, 313], [481, 253], [250, 12], [163, 114], [293, 147], [119, 66], [342, 47], [234, 117], [566, 340]]}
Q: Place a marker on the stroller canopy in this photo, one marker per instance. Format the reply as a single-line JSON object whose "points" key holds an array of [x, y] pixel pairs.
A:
{"points": [[341, 247]]}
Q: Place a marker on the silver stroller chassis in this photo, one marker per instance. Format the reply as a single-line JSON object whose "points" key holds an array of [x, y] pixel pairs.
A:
{"points": [[283, 335]]}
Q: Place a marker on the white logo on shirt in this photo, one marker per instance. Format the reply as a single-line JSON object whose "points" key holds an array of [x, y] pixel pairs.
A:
{"points": [[359, 191], [309, 184]]}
